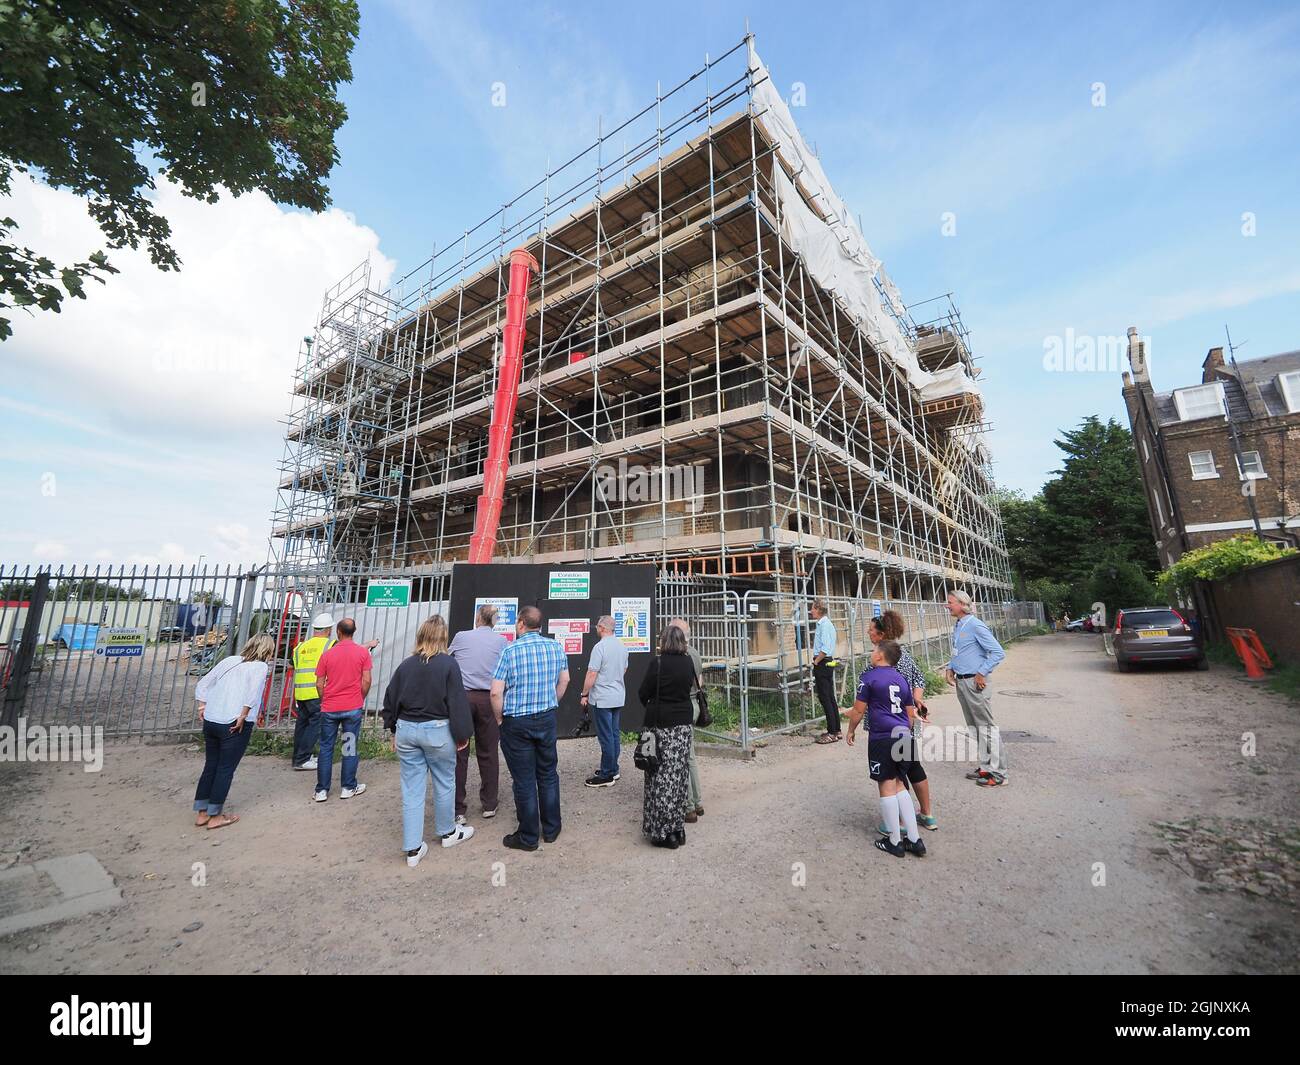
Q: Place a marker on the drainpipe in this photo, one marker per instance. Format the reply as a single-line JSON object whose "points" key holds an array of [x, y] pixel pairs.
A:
{"points": [[488, 516]]}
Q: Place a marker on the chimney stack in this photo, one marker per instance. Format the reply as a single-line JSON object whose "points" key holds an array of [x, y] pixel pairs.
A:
{"points": [[1137, 357]]}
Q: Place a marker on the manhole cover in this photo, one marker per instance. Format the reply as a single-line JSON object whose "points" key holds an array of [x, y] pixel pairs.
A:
{"points": [[1018, 736], [1025, 693]]}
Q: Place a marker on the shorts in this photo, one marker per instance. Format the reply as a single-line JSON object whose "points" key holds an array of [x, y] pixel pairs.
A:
{"points": [[883, 761]]}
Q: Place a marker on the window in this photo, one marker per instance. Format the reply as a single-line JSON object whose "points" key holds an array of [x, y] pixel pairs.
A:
{"points": [[1289, 385], [1160, 514], [1250, 466], [1203, 467], [1146, 451], [1203, 401]]}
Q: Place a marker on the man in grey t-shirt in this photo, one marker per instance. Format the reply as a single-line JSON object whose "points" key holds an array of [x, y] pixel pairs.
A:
{"points": [[476, 651], [603, 694]]}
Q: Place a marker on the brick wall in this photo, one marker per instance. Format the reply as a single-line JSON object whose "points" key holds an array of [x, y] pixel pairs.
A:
{"points": [[1266, 599]]}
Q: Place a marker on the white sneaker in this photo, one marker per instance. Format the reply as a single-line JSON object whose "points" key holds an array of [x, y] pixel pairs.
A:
{"points": [[347, 793], [412, 860], [489, 814], [462, 833], [309, 764], [321, 796], [460, 819]]}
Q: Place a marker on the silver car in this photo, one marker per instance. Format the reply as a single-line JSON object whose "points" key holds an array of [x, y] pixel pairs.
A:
{"points": [[1155, 634]]}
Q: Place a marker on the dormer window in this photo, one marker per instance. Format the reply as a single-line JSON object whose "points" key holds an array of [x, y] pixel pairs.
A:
{"points": [[1203, 401], [1289, 385]]}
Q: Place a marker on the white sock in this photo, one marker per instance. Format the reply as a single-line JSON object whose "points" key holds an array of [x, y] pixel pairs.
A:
{"points": [[889, 811], [907, 813]]}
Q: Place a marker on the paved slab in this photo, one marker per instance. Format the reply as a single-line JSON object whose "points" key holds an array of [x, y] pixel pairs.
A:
{"points": [[54, 889]]}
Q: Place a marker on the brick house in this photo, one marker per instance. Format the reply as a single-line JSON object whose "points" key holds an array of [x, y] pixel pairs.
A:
{"points": [[1201, 483]]}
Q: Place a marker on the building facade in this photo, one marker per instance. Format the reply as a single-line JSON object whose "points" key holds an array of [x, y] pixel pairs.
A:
{"points": [[1219, 457]]}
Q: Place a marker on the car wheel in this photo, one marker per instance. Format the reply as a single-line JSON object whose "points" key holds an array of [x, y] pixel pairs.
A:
{"points": [[1122, 665], [1202, 663]]}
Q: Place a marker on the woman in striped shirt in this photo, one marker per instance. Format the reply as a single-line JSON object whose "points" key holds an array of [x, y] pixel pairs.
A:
{"points": [[889, 626]]}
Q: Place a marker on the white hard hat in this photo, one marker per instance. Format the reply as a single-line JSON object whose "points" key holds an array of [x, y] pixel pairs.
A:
{"points": [[322, 621]]}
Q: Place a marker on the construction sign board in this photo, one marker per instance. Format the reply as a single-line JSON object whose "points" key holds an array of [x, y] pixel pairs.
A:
{"points": [[507, 614], [569, 584], [120, 642], [632, 623], [569, 632], [388, 593]]}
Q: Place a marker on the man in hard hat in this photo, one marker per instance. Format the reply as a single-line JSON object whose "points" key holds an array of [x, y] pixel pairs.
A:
{"points": [[306, 731]]}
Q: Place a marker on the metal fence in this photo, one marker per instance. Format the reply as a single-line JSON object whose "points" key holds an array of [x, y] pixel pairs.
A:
{"points": [[122, 647]]}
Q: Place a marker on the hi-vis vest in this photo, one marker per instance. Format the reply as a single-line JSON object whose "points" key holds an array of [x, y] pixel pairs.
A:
{"points": [[305, 657]]}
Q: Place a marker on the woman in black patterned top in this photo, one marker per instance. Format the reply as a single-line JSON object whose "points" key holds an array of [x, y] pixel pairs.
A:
{"points": [[889, 626]]}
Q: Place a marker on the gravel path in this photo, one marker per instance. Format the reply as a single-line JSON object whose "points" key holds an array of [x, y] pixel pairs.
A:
{"points": [[778, 875]]}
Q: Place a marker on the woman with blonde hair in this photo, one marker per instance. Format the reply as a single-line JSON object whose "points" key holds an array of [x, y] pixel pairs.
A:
{"points": [[230, 698], [427, 711]]}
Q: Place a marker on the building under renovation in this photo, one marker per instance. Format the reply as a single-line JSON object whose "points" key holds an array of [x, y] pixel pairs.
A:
{"points": [[677, 347]]}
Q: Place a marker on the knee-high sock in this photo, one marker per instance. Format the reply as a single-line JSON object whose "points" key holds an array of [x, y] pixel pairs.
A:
{"points": [[889, 811], [907, 814]]}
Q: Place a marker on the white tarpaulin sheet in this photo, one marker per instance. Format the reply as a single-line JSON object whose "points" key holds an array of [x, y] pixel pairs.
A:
{"points": [[833, 248]]}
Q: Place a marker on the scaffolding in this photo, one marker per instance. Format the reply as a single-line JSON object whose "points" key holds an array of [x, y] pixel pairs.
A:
{"points": [[699, 388]]}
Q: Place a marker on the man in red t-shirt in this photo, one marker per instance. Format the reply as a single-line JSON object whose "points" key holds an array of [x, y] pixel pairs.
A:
{"points": [[343, 679]]}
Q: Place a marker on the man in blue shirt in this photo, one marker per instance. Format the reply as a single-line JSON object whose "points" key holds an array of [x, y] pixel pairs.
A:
{"points": [[975, 654], [530, 679], [823, 651]]}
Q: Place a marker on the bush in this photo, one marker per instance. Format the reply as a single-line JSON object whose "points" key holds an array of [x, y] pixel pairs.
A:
{"points": [[1119, 583], [1220, 559], [1054, 595]]}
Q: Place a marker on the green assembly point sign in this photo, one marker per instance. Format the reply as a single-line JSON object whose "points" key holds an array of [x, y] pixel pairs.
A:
{"points": [[388, 593], [570, 584]]}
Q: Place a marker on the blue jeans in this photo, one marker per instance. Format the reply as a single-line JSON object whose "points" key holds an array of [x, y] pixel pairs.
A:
{"points": [[426, 747], [607, 733], [350, 722], [222, 751], [529, 746]]}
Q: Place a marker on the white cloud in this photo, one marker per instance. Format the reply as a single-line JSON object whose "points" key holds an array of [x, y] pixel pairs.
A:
{"points": [[160, 398], [208, 351]]}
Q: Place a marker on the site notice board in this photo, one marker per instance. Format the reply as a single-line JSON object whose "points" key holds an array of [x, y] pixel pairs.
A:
{"points": [[571, 599]]}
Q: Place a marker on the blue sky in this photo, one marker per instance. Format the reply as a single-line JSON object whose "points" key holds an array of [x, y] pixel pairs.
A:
{"points": [[1070, 218]]}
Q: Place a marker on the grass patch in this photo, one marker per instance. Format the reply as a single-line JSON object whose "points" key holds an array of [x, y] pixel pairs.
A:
{"points": [[371, 743], [1283, 678]]}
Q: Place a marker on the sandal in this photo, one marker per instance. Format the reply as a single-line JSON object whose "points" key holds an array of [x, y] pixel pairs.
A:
{"points": [[202, 820], [827, 737], [216, 822], [989, 780]]}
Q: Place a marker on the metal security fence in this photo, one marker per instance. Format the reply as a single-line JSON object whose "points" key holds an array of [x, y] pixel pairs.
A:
{"points": [[122, 647]]}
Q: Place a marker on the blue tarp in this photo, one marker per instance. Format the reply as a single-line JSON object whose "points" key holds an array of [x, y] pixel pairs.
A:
{"points": [[79, 637]]}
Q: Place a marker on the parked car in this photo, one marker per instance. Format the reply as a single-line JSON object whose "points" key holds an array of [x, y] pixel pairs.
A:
{"points": [[170, 632], [1155, 634]]}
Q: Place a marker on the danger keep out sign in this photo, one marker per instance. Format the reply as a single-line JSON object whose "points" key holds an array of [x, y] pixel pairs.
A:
{"points": [[120, 643]]}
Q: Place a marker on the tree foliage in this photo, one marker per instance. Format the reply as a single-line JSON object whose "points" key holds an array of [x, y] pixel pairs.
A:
{"points": [[1085, 537], [102, 97], [1220, 559]]}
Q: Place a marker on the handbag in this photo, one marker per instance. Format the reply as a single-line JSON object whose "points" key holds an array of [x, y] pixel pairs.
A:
{"points": [[645, 756], [703, 719]]}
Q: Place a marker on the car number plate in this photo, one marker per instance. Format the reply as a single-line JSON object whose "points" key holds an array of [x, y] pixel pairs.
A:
{"points": [[1146, 634]]}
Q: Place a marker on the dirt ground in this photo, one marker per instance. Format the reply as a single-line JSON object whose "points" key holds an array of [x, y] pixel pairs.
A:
{"points": [[1110, 764]]}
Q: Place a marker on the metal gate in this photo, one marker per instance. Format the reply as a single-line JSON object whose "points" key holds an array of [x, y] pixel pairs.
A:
{"points": [[122, 647]]}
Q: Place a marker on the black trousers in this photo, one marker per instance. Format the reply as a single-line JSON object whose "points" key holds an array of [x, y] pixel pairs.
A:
{"points": [[306, 729], [824, 685]]}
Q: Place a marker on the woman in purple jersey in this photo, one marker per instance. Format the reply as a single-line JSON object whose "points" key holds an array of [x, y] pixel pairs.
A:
{"points": [[885, 698], [889, 626]]}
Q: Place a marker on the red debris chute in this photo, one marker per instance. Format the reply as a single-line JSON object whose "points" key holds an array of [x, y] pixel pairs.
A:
{"points": [[488, 517]]}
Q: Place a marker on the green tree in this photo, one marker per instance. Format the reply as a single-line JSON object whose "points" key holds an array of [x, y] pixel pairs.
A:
{"points": [[1094, 505], [1119, 582], [104, 96]]}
